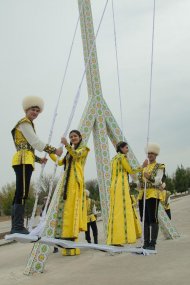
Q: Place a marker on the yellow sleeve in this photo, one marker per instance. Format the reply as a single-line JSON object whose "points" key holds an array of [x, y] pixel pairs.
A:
{"points": [[127, 167], [54, 158], [134, 201], [81, 152]]}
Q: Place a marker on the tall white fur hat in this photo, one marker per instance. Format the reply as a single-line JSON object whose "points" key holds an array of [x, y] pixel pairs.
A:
{"points": [[152, 147], [87, 193], [33, 101]]}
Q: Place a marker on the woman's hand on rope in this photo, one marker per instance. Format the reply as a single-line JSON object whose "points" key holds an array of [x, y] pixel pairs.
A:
{"points": [[147, 175], [64, 141], [59, 151], [145, 163], [162, 186]]}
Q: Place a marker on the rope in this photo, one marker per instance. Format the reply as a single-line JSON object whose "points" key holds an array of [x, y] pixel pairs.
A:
{"points": [[51, 132], [69, 121], [80, 85], [117, 67], [149, 110]]}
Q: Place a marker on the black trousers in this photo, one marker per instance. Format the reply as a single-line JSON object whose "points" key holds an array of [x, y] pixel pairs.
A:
{"points": [[23, 175], [168, 212], [94, 228], [151, 210]]}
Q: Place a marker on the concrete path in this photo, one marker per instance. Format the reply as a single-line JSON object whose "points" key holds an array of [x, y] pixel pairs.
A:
{"points": [[171, 266]]}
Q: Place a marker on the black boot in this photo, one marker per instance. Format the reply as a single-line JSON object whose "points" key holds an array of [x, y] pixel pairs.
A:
{"points": [[146, 236], [154, 236], [96, 239], [55, 249], [19, 220]]}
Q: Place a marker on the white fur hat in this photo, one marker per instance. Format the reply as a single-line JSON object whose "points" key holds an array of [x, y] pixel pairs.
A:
{"points": [[87, 193], [152, 147], [33, 101]]}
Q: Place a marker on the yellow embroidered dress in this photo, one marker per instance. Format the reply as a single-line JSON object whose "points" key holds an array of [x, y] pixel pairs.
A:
{"points": [[72, 212], [138, 228], [121, 225]]}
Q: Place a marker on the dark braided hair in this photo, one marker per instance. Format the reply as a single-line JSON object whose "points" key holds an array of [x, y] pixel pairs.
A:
{"points": [[69, 164], [120, 145]]}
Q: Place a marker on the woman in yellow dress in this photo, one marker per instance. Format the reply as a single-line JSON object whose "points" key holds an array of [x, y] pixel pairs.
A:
{"points": [[72, 213], [121, 225]]}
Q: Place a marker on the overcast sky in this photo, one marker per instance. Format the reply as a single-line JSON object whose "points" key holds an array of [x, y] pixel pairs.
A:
{"points": [[35, 36]]}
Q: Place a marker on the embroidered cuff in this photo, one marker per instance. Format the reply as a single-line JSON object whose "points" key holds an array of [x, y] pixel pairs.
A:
{"points": [[49, 149], [37, 159]]}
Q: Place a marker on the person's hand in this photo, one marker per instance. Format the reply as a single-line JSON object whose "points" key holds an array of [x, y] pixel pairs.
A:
{"points": [[145, 163], [146, 175], [59, 151], [44, 160], [64, 141], [162, 186]]}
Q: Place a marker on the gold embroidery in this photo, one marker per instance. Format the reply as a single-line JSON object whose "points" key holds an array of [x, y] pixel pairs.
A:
{"points": [[25, 152], [49, 149]]}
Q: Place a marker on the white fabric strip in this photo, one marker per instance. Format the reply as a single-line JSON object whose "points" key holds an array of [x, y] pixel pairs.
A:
{"points": [[69, 244], [150, 104], [158, 177]]}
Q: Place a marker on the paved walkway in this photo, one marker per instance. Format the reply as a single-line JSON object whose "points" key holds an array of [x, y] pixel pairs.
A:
{"points": [[5, 226], [169, 267]]}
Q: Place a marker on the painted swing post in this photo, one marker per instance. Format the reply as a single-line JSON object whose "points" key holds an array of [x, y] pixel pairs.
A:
{"points": [[98, 118], [93, 119]]}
